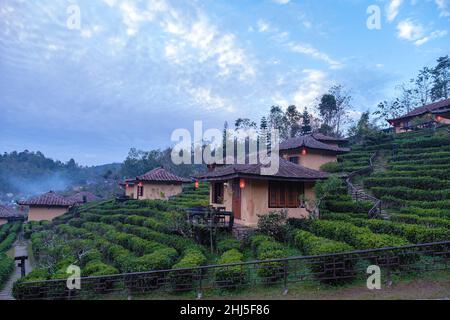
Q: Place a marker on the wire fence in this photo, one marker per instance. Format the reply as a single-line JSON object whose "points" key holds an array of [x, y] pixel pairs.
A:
{"points": [[331, 268]]}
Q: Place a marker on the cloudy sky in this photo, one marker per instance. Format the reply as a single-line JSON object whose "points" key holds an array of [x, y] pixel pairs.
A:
{"points": [[127, 73]]}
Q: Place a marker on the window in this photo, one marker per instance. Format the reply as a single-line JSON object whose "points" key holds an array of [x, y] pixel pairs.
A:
{"points": [[293, 160], [217, 193], [140, 191], [285, 194]]}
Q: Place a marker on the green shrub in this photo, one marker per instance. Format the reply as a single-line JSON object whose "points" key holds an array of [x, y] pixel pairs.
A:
{"points": [[228, 244], [6, 268], [312, 245], [230, 277], [184, 280]]}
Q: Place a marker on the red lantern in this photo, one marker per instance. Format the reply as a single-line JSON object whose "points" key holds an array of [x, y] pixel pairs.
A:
{"points": [[242, 183], [439, 118], [140, 184], [126, 185], [197, 185], [304, 152]]}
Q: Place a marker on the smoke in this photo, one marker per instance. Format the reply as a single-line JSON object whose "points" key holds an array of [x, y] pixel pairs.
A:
{"points": [[27, 187]]}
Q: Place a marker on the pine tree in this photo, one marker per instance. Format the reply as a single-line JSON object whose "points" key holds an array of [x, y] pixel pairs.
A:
{"points": [[306, 123]]}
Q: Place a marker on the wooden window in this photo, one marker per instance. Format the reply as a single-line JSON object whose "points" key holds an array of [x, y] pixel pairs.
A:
{"points": [[285, 194], [140, 191], [293, 160], [217, 193]]}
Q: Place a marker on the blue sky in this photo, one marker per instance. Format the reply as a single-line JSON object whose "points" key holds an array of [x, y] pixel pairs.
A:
{"points": [[136, 70]]}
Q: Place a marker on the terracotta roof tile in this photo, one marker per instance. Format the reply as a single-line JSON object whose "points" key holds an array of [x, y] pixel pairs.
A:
{"points": [[8, 212], [161, 175], [324, 138], [287, 171], [48, 199], [424, 109], [81, 196], [310, 142]]}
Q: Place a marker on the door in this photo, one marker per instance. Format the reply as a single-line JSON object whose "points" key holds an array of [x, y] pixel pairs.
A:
{"points": [[236, 203]]}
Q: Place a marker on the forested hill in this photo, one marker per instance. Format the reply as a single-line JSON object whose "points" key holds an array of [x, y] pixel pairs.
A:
{"points": [[23, 174]]}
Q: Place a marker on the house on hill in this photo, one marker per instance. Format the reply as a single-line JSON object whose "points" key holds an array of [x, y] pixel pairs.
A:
{"points": [[242, 189], [438, 112], [155, 184], [312, 151], [9, 214], [83, 197], [47, 206]]}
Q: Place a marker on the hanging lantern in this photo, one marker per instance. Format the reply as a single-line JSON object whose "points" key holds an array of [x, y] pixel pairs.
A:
{"points": [[140, 184], [242, 183], [439, 118], [126, 185], [304, 152], [197, 185]]}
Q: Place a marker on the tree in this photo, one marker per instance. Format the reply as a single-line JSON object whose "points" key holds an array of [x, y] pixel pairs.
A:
{"points": [[244, 123], [423, 84], [292, 119], [441, 79], [389, 110], [306, 123], [277, 121], [327, 109], [361, 129], [343, 106]]}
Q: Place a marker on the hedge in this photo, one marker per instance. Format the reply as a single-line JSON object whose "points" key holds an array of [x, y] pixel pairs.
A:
{"points": [[358, 237], [426, 183], [411, 194], [426, 221], [312, 245], [228, 244], [6, 268], [230, 277], [184, 280], [348, 206]]}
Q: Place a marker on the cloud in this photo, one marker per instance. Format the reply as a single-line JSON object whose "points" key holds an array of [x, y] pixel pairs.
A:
{"points": [[313, 85], [263, 26], [309, 50], [204, 97], [443, 6], [415, 32], [393, 9], [281, 1]]}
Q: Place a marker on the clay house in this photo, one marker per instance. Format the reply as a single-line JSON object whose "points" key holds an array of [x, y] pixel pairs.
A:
{"points": [[47, 206], [438, 112], [155, 184], [83, 197], [9, 214], [242, 189], [312, 151]]}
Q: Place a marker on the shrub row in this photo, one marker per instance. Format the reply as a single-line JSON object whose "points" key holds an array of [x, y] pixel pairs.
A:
{"points": [[411, 194], [231, 276], [358, 237], [425, 183], [426, 221], [6, 268]]}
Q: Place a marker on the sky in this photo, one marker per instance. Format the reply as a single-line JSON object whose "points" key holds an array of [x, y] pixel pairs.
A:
{"points": [[89, 79]]}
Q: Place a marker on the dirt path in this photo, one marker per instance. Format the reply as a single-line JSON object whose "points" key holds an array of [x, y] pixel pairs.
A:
{"points": [[6, 292]]}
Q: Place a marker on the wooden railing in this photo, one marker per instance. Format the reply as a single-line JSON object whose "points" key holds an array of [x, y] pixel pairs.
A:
{"points": [[359, 195]]}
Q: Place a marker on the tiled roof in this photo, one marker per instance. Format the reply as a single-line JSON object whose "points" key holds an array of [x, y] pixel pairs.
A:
{"points": [[81, 196], [161, 175], [424, 109], [324, 138], [48, 199], [8, 212], [309, 141], [287, 171]]}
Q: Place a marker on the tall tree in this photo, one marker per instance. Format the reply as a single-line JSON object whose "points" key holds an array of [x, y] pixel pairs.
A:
{"points": [[277, 121], [423, 84], [389, 110], [441, 79], [306, 123], [343, 106], [327, 110], [292, 120], [244, 123]]}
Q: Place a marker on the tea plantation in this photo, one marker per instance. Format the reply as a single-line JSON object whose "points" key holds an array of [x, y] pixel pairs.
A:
{"points": [[8, 234], [412, 178]]}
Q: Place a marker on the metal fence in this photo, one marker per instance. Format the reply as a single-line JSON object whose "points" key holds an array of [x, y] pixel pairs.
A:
{"points": [[330, 268]]}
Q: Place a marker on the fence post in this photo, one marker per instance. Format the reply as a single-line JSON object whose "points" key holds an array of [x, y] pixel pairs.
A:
{"points": [[200, 287], [285, 275]]}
